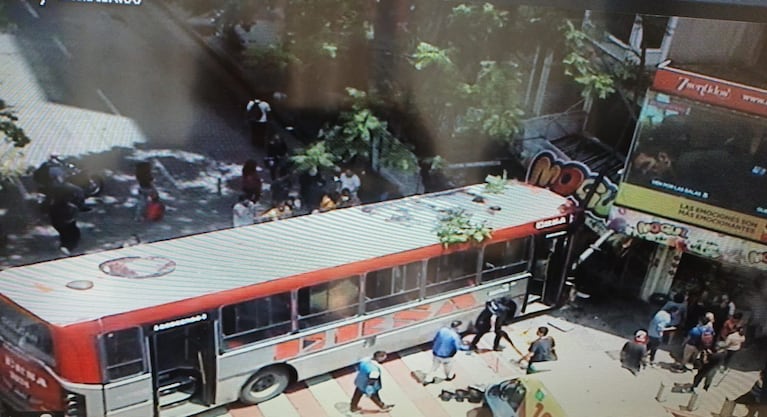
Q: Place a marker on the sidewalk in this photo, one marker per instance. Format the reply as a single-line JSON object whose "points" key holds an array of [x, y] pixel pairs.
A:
{"points": [[587, 380]]}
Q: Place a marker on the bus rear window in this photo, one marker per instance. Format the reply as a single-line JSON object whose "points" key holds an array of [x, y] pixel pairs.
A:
{"points": [[26, 332]]}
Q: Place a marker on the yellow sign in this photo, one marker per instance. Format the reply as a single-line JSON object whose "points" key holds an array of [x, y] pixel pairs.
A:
{"points": [[538, 401], [692, 212]]}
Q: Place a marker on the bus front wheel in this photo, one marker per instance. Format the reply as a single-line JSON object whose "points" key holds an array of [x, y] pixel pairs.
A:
{"points": [[264, 385]]}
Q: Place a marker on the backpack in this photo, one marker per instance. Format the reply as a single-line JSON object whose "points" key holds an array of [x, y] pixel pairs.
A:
{"points": [[707, 337], [155, 210]]}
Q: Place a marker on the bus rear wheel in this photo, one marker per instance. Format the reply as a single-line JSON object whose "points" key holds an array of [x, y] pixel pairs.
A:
{"points": [[264, 385]]}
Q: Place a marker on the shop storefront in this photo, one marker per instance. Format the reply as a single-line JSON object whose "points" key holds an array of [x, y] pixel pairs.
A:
{"points": [[695, 184]]}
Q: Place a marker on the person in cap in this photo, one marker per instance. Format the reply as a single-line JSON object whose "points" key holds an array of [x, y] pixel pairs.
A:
{"points": [[447, 342], [634, 352]]}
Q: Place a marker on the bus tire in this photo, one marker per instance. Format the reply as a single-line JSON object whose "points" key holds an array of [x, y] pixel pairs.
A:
{"points": [[264, 385]]}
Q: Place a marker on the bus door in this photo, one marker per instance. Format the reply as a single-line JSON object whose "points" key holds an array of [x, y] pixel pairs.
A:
{"points": [[183, 362]]}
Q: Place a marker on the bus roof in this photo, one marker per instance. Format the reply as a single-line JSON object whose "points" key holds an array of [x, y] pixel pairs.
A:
{"points": [[208, 263]]}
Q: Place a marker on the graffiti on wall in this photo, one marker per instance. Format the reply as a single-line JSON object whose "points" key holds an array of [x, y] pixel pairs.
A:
{"points": [[573, 179]]}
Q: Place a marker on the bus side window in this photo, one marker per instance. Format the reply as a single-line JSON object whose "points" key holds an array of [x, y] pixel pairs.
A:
{"points": [[328, 302], [255, 320], [451, 272], [392, 286], [505, 258], [123, 354]]}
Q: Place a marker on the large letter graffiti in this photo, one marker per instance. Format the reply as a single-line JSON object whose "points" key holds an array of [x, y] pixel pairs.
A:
{"points": [[572, 179]]}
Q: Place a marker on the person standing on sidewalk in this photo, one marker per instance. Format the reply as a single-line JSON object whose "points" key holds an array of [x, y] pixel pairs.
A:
{"points": [[368, 382], [659, 324], [634, 352], [733, 343], [447, 342], [677, 319], [251, 181], [258, 120]]}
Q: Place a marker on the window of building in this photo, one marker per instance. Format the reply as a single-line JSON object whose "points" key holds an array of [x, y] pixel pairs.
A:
{"points": [[255, 320], [451, 272], [392, 286], [123, 353], [328, 302], [505, 258]]}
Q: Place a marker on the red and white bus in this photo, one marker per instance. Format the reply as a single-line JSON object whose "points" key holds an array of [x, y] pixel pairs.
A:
{"points": [[176, 327]]}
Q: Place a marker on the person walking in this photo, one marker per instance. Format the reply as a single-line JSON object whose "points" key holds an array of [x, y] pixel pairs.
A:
{"points": [[251, 181], [691, 344], [677, 318], [495, 314], [368, 382], [543, 349], [710, 359], [63, 217], [145, 180], [447, 342], [659, 324], [634, 352], [258, 120]]}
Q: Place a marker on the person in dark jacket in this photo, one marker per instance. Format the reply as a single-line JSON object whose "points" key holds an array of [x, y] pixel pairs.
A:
{"points": [[755, 399], [496, 313], [276, 155], [63, 216], [251, 181], [711, 358], [312, 186], [634, 352], [447, 342]]}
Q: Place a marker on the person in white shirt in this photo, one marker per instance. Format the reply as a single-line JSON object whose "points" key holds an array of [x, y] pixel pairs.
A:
{"points": [[350, 181], [243, 212], [258, 119], [733, 343]]}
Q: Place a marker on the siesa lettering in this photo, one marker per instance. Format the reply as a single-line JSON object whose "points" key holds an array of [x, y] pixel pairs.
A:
{"points": [[572, 179]]}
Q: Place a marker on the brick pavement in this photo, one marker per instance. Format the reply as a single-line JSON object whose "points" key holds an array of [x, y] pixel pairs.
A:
{"points": [[588, 376]]}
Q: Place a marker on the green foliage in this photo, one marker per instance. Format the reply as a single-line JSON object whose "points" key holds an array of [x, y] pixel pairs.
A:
{"points": [[582, 63], [494, 109], [272, 59], [456, 227], [12, 140], [316, 156], [495, 184], [359, 130], [427, 55]]}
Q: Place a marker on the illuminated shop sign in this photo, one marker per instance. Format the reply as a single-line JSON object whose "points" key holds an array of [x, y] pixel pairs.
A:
{"points": [[700, 165], [691, 239]]}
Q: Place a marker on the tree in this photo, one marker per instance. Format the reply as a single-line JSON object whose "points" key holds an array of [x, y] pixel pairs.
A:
{"points": [[468, 90], [359, 135], [12, 140]]}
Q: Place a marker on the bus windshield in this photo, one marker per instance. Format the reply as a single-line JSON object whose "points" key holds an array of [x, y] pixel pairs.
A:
{"points": [[25, 332]]}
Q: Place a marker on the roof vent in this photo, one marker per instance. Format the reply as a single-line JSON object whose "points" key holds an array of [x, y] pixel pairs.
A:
{"points": [[138, 267], [80, 284]]}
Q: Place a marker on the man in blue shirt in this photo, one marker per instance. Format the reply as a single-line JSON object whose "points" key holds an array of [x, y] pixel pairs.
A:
{"points": [[660, 323], [368, 382], [447, 342]]}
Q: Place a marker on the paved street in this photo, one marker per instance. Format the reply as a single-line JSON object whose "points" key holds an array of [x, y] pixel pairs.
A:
{"points": [[587, 375], [94, 82]]}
